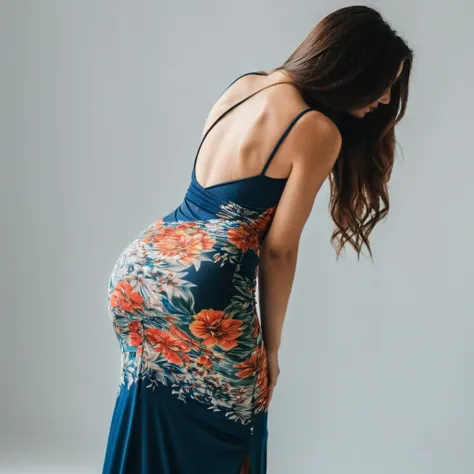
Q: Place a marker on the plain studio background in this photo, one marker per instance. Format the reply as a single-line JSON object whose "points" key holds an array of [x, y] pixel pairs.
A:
{"points": [[102, 108]]}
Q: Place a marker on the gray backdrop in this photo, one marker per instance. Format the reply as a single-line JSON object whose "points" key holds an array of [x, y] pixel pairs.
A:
{"points": [[102, 108]]}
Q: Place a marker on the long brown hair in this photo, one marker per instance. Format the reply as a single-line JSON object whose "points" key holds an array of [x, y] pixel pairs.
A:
{"points": [[350, 59]]}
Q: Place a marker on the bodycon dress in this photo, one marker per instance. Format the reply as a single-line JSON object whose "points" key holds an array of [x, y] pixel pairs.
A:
{"points": [[192, 396]]}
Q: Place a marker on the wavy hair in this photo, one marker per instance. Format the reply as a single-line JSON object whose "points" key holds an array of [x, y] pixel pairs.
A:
{"points": [[350, 59]]}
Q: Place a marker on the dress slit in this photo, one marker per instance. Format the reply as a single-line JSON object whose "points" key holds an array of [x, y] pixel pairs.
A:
{"points": [[245, 467]]}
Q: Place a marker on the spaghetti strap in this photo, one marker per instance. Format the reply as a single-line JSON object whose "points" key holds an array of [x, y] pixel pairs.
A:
{"points": [[225, 113], [259, 73], [283, 136]]}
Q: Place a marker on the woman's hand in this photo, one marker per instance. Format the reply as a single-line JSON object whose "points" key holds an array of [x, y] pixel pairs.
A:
{"points": [[273, 373]]}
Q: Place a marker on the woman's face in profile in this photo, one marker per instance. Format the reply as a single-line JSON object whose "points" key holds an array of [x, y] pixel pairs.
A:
{"points": [[384, 99]]}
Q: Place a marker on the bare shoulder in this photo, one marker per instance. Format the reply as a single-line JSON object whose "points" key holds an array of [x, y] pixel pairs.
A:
{"points": [[318, 135], [318, 142], [230, 96]]}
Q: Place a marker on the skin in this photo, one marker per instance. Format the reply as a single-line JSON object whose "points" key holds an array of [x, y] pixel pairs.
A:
{"points": [[306, 157], [316, 143]]}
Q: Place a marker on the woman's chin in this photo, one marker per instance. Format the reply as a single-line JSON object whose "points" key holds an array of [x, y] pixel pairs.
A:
{"points": [[358, 113]]}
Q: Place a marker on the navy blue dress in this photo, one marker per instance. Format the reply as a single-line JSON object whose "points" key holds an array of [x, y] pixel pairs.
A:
{"points": [[192, 396]]}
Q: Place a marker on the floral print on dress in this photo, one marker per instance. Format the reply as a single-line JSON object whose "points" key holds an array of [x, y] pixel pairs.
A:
{"points": [[215, 355]]}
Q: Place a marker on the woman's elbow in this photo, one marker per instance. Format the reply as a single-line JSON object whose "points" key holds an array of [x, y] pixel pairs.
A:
{"points": [[279, 252]]}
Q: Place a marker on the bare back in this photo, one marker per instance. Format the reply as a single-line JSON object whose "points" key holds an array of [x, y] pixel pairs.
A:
{"points": [[240, 144]]}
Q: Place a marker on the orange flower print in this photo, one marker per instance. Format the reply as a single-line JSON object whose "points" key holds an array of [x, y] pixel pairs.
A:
{"points": [[176, 331], [180, 334], [263, 222], [243, 237], [170, 319], [172, 348], [204, 360], [155, 233], [188, 225], [135, 336], [248, 367], [158, 224], [125, 298], [262, 378], [216, 328], [182, 244]]}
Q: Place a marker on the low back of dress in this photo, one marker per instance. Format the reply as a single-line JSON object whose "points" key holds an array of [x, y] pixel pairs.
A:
{"points": [[258, 192]]}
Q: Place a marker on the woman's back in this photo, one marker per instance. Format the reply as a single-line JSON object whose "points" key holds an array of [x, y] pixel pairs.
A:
{"points": [[246, 159], [242, 141]]}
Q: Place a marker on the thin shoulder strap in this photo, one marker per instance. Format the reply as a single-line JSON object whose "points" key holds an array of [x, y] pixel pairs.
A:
{"points": [[226, 112], [283, 136], [259, 73]]}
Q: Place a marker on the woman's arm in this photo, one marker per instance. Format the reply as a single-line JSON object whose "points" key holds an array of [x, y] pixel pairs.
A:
{"points": [[318, 145]]}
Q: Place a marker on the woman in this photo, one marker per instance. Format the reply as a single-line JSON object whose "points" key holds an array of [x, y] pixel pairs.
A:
{"points": [[198, 369]]}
